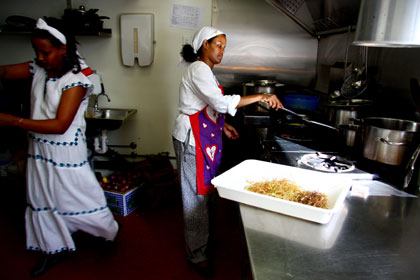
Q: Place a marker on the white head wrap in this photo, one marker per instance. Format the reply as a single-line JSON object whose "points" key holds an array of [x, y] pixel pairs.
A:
{"points": [[41, 24], [205, 33]]}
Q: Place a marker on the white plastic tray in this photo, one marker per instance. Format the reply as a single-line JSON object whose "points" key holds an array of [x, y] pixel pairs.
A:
{"points": [[319, 236], [231, 185]]}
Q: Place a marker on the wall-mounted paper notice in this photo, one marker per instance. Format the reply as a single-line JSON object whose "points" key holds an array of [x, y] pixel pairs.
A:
{"points": [[186, 16]]}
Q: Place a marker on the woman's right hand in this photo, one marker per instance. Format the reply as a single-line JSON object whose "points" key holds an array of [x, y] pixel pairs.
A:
{"points": [[7, 119], [272, 100]]}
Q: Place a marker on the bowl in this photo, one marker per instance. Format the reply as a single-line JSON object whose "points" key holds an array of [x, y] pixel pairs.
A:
{"points": [[300, 102]]}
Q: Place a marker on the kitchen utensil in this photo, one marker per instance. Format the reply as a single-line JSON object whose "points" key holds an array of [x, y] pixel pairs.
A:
{"points": [[388, 140], [410, 167], [300, 118], [21, 22], [301, 102], [355, 78], [231, 185]]}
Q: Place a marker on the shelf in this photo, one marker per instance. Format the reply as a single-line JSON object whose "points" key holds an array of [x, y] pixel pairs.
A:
{"points": [[101, 33]]}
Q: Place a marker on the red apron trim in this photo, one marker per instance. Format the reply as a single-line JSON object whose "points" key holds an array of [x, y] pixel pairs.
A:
{"points": [[87, 71]]}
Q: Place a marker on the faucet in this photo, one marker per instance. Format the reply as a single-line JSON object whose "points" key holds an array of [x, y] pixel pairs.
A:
{"points": [[95, 106]]}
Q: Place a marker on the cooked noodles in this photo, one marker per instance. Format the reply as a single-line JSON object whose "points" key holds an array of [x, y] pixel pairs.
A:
{"points": [[288, 190]]}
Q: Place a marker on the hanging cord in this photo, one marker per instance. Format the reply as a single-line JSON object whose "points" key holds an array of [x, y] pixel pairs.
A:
{"points": [[346, 55]]}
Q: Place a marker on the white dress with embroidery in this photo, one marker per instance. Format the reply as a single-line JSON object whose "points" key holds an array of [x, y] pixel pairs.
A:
{"points": [[63, 193]]}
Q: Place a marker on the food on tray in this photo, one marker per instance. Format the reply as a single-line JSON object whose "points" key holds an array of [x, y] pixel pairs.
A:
{"points": [[286, 189]]}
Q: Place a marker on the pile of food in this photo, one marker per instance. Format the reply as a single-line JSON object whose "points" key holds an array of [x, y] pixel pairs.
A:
{"points": [[122, 181], [286, 189]]}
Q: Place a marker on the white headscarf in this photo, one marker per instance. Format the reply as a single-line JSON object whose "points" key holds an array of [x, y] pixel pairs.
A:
{"points": [[41, 24], [205, 33]]}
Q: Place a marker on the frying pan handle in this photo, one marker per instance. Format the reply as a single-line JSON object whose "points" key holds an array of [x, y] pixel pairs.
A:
{"points": [[324, 125]]}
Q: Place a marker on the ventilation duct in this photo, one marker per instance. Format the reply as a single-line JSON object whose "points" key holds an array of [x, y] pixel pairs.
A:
{"points": [[388, 23]]}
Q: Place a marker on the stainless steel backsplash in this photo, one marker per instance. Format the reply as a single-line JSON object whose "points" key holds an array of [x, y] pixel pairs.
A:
{"points": [[263, 43]]}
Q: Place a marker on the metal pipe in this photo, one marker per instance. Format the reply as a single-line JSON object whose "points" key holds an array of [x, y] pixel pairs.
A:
{"points": [[132, 145]]}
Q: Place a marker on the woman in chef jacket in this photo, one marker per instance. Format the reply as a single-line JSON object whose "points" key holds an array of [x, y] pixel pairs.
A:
{"points": [[63, 195], [197, 138]]}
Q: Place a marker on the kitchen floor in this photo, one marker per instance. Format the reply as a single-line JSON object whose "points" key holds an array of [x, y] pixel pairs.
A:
{"points": [[150, 244]]}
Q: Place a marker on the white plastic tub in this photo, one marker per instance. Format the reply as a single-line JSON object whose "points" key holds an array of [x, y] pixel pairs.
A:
{"points": [[231, 185]]}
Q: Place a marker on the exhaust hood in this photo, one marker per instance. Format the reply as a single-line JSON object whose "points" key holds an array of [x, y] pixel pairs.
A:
{"points": [[388, 23], [320, 18]]}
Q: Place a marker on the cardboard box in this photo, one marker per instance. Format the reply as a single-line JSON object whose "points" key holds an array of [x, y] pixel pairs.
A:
{"points": [[122, 203]]}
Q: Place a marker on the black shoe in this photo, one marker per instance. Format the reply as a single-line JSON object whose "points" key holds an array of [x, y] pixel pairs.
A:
{"points": [[204, 268], [46, 262]]}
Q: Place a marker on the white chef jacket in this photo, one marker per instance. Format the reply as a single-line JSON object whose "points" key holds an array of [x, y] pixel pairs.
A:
{"points": [[199, 88]]}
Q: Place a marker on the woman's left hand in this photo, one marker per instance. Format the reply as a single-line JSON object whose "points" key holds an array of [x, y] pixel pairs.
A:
{"points": [[230, 131], [272, 100]]}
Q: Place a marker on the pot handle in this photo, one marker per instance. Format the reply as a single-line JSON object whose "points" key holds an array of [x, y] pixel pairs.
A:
{"points": [[357, 121], [383, 140]]}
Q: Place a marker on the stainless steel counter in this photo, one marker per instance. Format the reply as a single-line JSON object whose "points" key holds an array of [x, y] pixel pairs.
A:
{"points": [[376, 237]]}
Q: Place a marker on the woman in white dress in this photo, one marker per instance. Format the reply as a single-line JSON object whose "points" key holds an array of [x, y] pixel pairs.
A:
{"points": [[63, 195]]}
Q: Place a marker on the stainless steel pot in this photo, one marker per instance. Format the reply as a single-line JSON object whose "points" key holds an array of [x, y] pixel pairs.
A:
{"points": [[351, 135], [261, 86], [257, 87], [344, 111], [388, 140]]}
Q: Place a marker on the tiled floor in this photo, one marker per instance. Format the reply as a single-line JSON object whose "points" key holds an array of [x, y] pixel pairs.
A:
{"points": [[150, 245]]}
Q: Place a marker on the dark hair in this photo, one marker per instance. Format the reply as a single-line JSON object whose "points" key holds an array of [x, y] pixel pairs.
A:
{"points": [[188, 52], [71, 59]]}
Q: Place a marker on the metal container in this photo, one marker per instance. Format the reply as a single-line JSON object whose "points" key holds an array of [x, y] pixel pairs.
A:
{"points": [[261, 86], [258, 87], [388, 140], [231, 185], [350, 134], [344, 111]]}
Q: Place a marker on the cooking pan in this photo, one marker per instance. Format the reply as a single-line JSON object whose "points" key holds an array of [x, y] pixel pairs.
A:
{"points": [[388, 140], [300, 128], [293, 116]]}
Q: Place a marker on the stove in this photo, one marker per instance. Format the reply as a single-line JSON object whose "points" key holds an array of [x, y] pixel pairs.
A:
{"points": [[283, 151], [327, 163], [315, 148]]}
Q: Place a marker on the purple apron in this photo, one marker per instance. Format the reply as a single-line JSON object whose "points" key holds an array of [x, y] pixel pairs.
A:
{"points": [[207, 127]]}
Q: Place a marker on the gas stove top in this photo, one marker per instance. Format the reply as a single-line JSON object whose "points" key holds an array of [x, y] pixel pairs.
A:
{"points": [[327, 163], [284, 151], [294, 145]]}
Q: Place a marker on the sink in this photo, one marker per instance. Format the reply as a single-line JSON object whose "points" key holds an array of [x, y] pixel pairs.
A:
{"points": [[108, 118]]}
